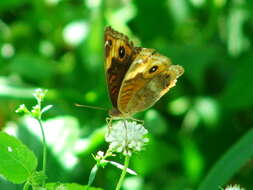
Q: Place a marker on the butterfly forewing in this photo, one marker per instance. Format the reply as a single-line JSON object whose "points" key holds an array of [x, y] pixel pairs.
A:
{"points": [[119, 54]]}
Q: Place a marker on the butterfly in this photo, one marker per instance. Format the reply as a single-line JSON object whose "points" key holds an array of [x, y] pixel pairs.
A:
{"points": [[136, 77]]}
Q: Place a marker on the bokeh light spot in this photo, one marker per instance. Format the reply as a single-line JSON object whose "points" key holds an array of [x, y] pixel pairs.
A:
{"points": [[75, 32], [91, 96], [179, 106], [7, 50]]}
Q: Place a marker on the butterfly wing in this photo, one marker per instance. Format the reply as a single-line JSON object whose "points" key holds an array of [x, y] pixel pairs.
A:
{"points": [[150, 76], [119, 54]]}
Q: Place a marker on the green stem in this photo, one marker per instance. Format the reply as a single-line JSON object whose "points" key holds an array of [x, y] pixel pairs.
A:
{"points": [[44, 150], [26, 186], [121, 179]]}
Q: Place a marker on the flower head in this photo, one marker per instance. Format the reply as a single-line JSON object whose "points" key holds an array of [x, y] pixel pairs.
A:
{"points": [[22, 109], [126, 137], [234, 187], [39, 94], [36, 112]]}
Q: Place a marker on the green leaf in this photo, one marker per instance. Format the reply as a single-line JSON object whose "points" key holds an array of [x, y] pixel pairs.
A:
{"points": [[48, 107], [37, 178], [230, 163], [68, 186], [93, 173], [17, 161]]}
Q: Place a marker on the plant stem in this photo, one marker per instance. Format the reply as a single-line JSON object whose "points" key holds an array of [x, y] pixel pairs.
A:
{"points": [[121, 179], [26, 186], [44, 150]]}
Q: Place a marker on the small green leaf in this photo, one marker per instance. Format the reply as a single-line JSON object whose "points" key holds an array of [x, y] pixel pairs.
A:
{"points": [[17, 161], [46, 108], [37, 178], [93, 173], [120, 166], [68, 186]]}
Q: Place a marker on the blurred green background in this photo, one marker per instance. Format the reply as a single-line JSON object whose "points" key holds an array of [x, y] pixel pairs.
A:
{"points": [[58, 45]]}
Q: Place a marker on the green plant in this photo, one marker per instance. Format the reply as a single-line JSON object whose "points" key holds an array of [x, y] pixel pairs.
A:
{"points": [[19, 164], [124, 137]]}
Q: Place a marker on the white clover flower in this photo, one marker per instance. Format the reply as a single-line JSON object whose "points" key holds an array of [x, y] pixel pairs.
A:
{"points": [[234, 187], [126, 137]]}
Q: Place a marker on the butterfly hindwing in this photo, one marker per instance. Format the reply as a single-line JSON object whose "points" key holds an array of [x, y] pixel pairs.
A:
{"points": [[149, 77]]}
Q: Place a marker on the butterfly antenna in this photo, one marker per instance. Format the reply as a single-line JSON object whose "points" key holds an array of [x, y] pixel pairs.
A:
{"points": [[92, 107]]}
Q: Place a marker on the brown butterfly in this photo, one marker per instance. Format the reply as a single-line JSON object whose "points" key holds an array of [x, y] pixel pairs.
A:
{"points": [[136, 77]]}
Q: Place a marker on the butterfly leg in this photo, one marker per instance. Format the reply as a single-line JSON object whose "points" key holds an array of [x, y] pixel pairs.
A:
{"points": [[109, 124]]}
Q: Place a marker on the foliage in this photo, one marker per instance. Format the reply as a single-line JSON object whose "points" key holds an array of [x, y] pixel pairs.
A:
{"points": [[17, 161], [69, 186], [199, 125]]}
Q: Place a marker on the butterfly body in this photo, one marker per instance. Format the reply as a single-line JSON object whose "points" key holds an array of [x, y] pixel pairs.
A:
{"points": [[137, 77]]}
